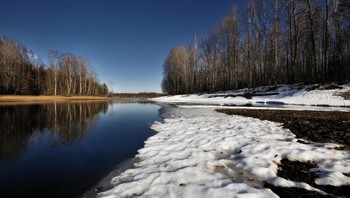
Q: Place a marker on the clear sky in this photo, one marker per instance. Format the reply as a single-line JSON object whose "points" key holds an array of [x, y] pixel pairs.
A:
{"points": [[126, 41]]}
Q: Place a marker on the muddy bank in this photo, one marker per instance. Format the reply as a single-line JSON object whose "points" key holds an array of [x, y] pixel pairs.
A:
{"points": [[300, 172], [316, 126]]}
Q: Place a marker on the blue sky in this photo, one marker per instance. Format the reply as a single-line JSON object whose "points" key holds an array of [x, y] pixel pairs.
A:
{"points": [[126, 41]]}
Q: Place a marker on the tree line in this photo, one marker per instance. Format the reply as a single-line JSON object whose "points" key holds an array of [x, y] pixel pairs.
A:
{"points": [[137, 95], [270, 42], [67, 74]]}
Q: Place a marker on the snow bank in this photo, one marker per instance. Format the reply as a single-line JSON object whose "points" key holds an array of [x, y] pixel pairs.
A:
{"points": [[283, 94], [198, 152]]}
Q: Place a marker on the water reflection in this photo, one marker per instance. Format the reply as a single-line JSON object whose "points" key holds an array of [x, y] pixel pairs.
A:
{"points": [[67, 122]]}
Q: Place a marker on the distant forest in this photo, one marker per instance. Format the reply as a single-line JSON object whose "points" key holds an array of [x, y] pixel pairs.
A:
{"points": [[268, 42], [23, 74]]}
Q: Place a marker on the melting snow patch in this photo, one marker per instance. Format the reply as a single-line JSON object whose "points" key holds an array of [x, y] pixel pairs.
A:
{"points": [[311, 95], [198, 152]]}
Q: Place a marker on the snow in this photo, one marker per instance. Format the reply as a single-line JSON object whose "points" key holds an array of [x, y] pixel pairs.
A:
{"points": [[198, 152], [284, 94]]}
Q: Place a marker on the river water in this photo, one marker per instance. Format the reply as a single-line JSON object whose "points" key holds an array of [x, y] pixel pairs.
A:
{"points": [[64, 149]]}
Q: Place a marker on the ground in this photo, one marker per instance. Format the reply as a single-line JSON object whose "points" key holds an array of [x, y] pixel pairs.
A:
{"points": [[19, 99], [315, 126], [241, 150]]}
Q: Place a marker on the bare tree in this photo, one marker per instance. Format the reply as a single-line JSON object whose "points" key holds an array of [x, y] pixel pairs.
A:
{"points": [[54, 59], [289, 41]]}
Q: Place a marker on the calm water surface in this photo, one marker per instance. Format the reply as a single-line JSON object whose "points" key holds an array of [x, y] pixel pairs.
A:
{"points": [[63, 149]]}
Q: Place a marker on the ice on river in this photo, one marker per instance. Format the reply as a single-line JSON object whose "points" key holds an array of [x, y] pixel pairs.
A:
{"points": [[198, 152]]}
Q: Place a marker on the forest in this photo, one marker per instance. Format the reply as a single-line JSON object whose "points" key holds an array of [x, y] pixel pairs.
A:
{"points": [[268, 42], [67, 74]]}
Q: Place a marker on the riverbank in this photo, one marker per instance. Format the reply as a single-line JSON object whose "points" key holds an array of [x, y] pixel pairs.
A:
{"points": [[287, 150], [199, 152], [105, 183], [312, 127], [18, 99], [316, 95]]}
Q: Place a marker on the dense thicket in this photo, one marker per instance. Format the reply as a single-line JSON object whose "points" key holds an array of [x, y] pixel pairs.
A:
{"points": [[270, 42], [67, 74]]}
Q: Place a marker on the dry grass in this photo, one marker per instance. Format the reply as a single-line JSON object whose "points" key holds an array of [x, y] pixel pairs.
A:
{"points": [[11, 99], [345, 95]]}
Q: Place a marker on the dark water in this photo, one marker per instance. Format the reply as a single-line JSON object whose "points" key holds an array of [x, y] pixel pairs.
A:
{"points": [[63, 149]]}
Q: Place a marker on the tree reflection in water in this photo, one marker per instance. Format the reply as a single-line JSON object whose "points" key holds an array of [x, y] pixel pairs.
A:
{"points": [[68, 122]]}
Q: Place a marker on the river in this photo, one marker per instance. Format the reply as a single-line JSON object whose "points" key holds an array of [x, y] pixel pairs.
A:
{"points": [[64, 149]]}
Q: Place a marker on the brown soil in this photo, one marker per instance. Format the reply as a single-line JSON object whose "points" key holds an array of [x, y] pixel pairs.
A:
{"points": [[300, 172], [316, 126], [345, 95]]}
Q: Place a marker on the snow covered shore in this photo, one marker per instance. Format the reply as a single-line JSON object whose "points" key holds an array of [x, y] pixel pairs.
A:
{"points": [[199, 152], [313, 95]]}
